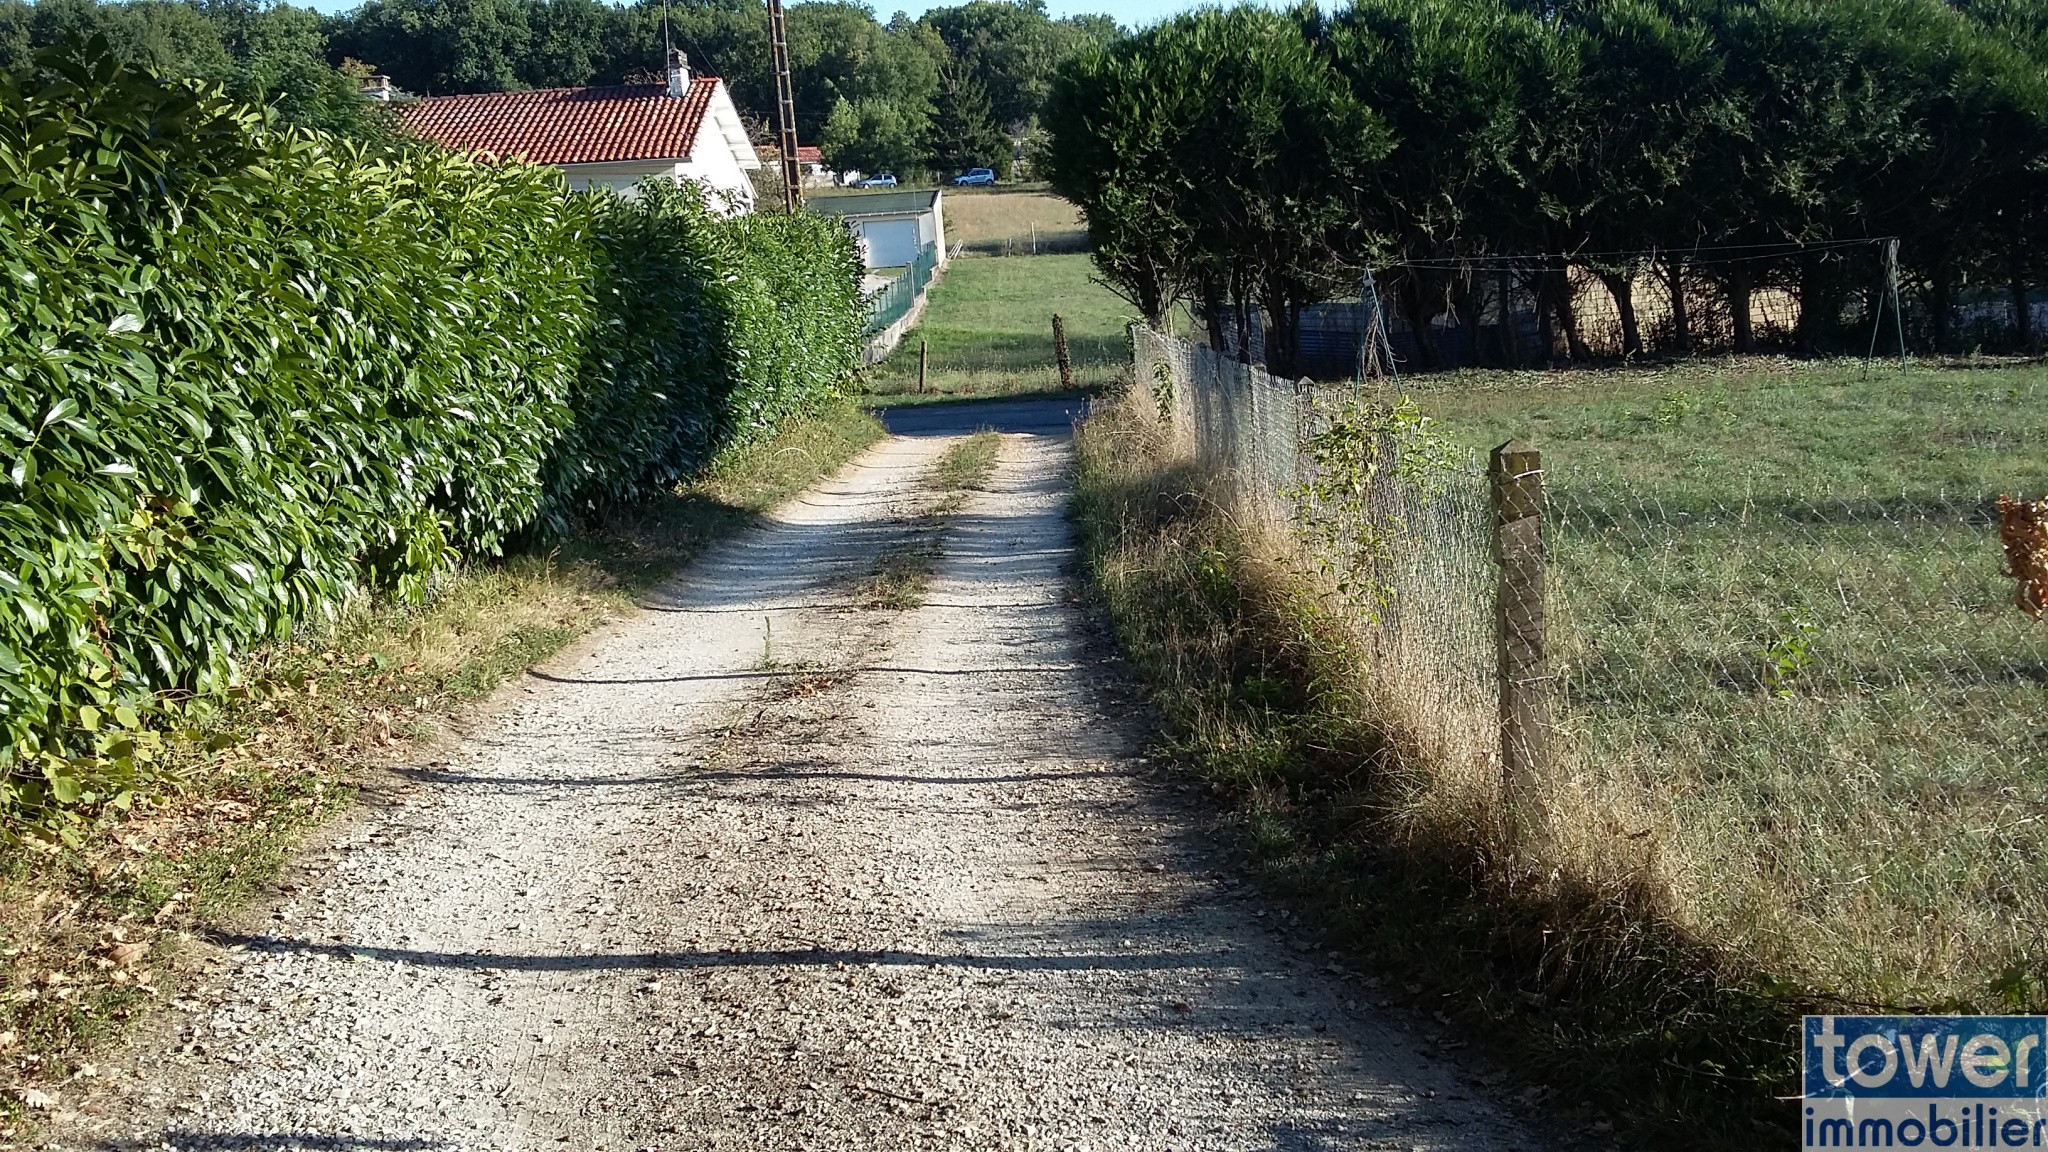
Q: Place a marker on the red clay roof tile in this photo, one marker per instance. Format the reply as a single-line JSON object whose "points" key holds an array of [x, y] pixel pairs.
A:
{"points": [[567, 125]]}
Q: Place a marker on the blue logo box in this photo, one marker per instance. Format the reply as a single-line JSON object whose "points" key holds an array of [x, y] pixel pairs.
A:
{"points": [[1926, 1057]]}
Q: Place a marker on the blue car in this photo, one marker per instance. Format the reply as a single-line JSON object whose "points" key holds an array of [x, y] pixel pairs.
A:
{"points": [[884, 180], [976, 176]]}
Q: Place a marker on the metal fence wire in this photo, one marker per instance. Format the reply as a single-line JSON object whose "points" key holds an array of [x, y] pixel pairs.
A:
{"points": [[894, 300], [1409, 555], [1824, 703]]}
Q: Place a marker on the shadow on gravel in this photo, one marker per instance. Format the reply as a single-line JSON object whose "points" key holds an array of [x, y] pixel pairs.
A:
{"points": [[766, 958], [765, 674], [1044, 417], [276, 1141], [771, 774], [824, 606]]}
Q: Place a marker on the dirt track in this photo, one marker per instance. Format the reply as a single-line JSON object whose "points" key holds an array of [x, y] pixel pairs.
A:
{"points": [[759, 869]]}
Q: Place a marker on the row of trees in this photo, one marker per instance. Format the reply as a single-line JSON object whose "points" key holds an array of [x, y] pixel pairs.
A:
{"points": [[271, 55], [946, 91], [1248, 159]]}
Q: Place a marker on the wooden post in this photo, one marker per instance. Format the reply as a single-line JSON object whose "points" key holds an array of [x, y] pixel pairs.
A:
{"points": [[1517, 474], [924, 362], [1059, 351]]}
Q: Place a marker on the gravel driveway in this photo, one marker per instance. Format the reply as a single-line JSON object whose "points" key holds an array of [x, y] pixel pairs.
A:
{"points": [[761, 869]]}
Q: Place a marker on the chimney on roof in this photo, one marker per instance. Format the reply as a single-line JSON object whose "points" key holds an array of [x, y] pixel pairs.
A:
{"points": [[678, 74], [377, 87]]}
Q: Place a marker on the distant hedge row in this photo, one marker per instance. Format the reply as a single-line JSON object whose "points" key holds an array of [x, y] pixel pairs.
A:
{"points": [[250, 371]]}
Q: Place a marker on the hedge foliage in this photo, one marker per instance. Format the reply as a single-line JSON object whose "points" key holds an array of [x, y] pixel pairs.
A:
{"points": [[252, 371], [712, 332]]}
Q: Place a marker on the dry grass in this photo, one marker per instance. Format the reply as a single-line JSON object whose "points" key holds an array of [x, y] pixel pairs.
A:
{"points": [[898, 579], [1569, 952], [85, 935]]}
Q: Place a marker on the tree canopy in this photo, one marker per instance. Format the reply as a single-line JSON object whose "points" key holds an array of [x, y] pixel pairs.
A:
{"points": [[946, 91], [1243, 158]]}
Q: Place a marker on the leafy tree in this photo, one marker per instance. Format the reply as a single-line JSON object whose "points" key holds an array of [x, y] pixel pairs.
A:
{"points": [[1013, 48], [569, 43], [838, 52], [1474, 94], [963, 129], [874, 135], [439, 46], [1228, 140], [1114, 120], [270, 56]]}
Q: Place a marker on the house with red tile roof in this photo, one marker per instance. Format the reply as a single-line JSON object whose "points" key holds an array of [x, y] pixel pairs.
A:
{"points": [[810, 161], [611, 137]]}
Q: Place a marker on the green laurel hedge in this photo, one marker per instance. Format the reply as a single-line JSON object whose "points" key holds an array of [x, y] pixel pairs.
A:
{"points": [[714, 331], [250, 372]]}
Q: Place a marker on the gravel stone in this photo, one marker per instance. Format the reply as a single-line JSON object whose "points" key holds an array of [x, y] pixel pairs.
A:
{"points": [[760, 869]]}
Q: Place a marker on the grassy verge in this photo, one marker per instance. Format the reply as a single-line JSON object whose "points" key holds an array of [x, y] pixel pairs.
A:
{"points": [[84, 935], [1349, 813], [988, 328], [1743, 825]]}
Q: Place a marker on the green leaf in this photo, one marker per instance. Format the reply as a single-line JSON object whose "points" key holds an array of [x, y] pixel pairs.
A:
{"points": [[65, 789]]}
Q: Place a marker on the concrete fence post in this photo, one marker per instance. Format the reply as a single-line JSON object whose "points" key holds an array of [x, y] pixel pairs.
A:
{"points": [[1517, 473]]}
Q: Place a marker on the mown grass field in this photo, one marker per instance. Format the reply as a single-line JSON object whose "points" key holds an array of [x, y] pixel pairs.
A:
{"points": [[1786, 651], [989, 329], [1005, 220], [89, 938]]}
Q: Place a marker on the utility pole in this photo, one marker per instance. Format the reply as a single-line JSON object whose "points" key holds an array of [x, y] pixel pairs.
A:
{"points": [[785, 109]]}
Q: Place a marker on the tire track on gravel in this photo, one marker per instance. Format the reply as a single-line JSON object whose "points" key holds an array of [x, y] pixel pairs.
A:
{"points": [[922, 894]]}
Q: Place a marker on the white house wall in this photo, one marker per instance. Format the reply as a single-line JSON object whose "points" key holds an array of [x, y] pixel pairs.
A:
{"points": [[713, 164], [722, 155], [719, 159], [620, 177]]}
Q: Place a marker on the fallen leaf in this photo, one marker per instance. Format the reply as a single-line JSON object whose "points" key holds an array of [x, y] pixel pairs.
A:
{"points": [[127, 954], [37, 1099]]}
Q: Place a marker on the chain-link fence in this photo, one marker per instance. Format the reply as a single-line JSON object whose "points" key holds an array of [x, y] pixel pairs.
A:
{"points": [[1404, 543], [1820, 709]]}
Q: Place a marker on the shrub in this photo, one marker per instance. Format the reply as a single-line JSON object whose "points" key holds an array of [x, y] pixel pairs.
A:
{"points": [[714, 330], [250, 371]]}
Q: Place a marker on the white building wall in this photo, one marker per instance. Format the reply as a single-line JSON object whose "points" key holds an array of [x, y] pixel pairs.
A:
{"points": [[892, 241], [619, 177], [719, 159], [713, 164]]}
